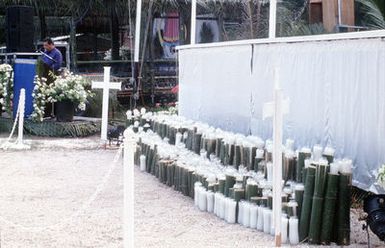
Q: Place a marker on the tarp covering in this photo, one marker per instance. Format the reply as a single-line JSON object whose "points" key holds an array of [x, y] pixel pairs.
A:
{"points": [[336, 89]]}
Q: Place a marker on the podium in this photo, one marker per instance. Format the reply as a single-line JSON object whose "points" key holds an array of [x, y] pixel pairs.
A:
{"points": [[24, 74]]}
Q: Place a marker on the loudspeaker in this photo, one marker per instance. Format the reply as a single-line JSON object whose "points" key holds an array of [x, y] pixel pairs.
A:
{"points": [[20, 29]]}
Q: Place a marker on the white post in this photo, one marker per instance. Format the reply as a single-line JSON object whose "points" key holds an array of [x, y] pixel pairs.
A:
{"points": [[21, 116], [193, 21], [128, 185], [106, 92], [277, 109], [272, 18], [277, 159], [137, 29]]}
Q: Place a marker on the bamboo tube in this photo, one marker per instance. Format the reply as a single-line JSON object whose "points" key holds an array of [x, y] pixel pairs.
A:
{"points": [[307, 203], [202, 193], [251, 190], [316, 213], [231, 154], [292, 208], [218, 146], [229, 183], [239, 194], [184, 182], [304, 154], [222, 152], [197, 143], [289, 166], [211, 144], [258, 159], [222, 181], [329, 208], [269, 170], [222, 207], [253, 153], [298, 192], [343, 204], [237, 156]]}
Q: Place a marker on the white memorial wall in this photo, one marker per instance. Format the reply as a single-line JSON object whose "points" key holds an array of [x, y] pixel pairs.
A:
{"points": [[336, 88]]}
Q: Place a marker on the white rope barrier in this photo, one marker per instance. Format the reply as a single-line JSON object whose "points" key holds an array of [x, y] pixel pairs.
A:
{"points": [[19, 119]]}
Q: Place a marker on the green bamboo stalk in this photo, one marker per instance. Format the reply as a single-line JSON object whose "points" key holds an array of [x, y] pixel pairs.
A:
{"points": [[299, 190], [307, 203], [343, 210], [319, 192], [328, 215], [302, 156], [197, 143], [222, 185], [229, 183], [218, 147], [251, 190], [253, 153]]}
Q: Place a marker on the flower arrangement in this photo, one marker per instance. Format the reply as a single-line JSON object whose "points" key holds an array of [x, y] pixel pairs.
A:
{"points": [[67, 86], [6, 87], [381, 176]]}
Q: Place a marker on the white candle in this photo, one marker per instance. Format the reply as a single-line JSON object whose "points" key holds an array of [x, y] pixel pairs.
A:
{"points": [[266, 220], [317, 152], [142, 162], [178, 139], [284, 230], [196, 193], [260, 219], [246, 214], [202, 199], [222, 207], [210, 201], [334, 168], [253, 216], [216, 202], [232, 209], [293, 231], [240, 212]]}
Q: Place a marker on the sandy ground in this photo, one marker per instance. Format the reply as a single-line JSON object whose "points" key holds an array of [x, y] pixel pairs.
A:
{"points": [[43, 194]]}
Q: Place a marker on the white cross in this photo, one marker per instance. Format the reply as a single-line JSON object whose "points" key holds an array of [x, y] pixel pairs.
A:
{"points": [[106, 85], [277, 109]]}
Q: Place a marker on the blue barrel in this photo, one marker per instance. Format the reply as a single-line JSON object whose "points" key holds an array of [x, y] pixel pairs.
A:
{"points": [[24, 74]]}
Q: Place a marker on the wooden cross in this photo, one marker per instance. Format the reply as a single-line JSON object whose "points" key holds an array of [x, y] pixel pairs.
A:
{"points": [[277, 109], [106, 85]]}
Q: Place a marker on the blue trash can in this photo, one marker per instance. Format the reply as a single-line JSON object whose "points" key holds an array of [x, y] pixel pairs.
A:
{"points": [[24, 74]]}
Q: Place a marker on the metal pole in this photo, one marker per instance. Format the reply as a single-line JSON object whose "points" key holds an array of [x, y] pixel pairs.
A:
{"points": [[193, 21], [137, 29], [272, 19]]}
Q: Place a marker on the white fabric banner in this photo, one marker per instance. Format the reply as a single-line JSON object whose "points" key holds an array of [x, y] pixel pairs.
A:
{"points": [[336, 89]]}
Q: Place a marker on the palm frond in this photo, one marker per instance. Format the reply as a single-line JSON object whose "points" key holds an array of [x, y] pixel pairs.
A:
{"points": [[373, 17]]}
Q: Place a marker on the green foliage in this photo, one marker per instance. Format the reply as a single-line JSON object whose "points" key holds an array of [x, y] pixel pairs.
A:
{"points": [[372, 15], [6, 88]]}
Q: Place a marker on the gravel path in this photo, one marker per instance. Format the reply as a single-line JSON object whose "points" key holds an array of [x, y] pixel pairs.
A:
{"points": [[46, 188]]}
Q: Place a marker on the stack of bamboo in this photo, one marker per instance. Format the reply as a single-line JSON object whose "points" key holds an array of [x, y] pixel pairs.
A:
{"points": [[230, 175]]}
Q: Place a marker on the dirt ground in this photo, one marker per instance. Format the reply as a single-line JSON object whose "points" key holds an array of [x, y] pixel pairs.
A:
{"points": [[54, 196]]}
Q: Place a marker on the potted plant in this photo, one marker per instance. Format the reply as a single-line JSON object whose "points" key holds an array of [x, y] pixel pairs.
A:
{"points": [[67, 91], [6, 88]]}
